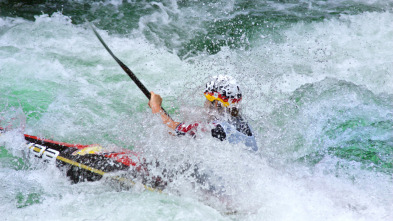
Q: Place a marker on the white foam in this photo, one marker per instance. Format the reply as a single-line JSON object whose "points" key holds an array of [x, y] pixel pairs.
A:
{"points": [[91, 100]]}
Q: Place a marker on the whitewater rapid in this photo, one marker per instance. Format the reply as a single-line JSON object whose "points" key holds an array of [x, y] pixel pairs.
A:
{"points": [[318, 95]]}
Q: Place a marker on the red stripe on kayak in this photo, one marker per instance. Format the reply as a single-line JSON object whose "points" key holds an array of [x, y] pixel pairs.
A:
{"points": [[123, 158], [79, 146]]}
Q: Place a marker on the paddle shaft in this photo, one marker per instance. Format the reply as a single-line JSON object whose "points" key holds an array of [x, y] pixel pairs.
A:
{"points": [[126, 69]]}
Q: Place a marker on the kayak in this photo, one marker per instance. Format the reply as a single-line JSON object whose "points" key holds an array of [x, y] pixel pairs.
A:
{"points": [[93, 162], [122, 167]]}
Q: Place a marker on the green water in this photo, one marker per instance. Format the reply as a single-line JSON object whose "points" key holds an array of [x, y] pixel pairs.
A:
{"points": [[317, 87]]}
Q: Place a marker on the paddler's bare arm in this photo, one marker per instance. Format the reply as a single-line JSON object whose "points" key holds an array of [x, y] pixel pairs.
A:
{"points": [[155, 105]]}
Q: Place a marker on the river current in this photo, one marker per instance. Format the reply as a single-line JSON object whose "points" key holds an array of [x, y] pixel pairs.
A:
{"points": [[317, 83]]}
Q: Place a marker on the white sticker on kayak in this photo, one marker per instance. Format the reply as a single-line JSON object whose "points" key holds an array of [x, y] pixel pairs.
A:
{"points": [[44, 152]]}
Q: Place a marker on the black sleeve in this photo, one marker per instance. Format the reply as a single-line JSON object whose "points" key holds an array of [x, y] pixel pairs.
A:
{"points": [[219, 133]]}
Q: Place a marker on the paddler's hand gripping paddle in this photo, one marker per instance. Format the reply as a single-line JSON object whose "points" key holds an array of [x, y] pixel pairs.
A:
{"points": [[125, 68]]}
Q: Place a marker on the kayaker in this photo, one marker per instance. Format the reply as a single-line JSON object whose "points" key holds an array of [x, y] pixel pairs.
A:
{"points": [[223, 97]]}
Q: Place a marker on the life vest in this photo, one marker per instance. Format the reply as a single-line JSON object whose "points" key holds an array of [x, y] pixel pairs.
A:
{"points": [[235, 130]]}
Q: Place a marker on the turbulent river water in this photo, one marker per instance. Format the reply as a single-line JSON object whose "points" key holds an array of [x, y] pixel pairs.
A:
{"points": [[317, 83]]}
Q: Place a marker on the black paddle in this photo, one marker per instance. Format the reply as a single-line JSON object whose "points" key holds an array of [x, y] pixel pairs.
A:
{"points": [[125, 68]]}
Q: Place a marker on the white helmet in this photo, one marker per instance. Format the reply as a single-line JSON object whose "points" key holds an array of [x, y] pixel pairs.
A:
{"points": [[223, 88]]}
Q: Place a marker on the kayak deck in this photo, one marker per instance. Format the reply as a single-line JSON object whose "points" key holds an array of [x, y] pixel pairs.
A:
{"points": [[92, 162]]}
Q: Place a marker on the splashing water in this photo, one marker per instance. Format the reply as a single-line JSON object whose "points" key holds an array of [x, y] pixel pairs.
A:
{"points": [[317, 90]]}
